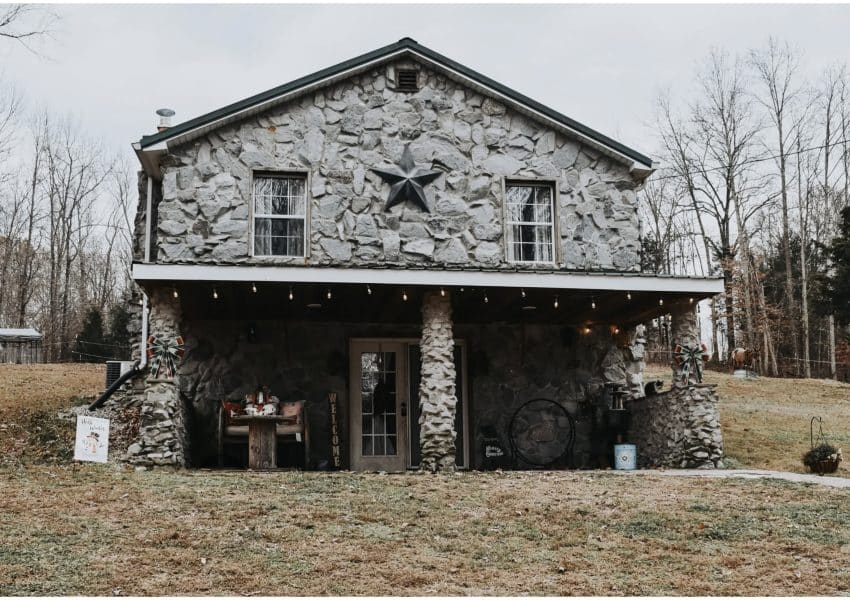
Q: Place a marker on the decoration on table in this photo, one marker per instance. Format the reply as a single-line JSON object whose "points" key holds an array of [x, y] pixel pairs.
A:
{"points": [[690, 359], [406, 181], [261, 402], [164, 354], [336, 455]]}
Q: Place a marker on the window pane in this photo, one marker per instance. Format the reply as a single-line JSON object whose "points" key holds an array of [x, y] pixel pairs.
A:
{"points": [[530, 220], [367, 445]]}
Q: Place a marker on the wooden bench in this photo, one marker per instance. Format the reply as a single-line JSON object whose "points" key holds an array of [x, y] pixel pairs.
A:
{"points": [[231, 432]]}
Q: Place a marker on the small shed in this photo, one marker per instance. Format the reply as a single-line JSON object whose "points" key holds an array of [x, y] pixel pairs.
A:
{"points": [[21, 346]]}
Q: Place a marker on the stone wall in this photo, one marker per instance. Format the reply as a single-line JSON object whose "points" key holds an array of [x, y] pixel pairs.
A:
{"points": [[335, 136], [511, 364], [681, 427], [678, 429]]}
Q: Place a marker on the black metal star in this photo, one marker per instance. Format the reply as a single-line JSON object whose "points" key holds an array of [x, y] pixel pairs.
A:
{"points": [[406, 181]]}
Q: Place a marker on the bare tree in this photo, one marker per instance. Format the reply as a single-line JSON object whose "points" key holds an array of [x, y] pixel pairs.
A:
{"points": [[27, 23], [776, 68]]}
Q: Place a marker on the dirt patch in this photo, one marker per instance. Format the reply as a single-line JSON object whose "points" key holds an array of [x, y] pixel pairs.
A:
{"points": [[102, 531], [765, 421]]}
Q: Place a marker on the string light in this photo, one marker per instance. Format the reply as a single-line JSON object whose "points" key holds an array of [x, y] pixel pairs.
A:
{"points": [[215, 294], [174, 291], [628, 295], [368, 289], [461, 289], [586, 330], [291, 295], [615, 330], [661, 302], [592, 304], [522, 291], [691, 300], [443, 292], [254, 287], [404, 295], [329, 293], [486, 299], [555, 303]]}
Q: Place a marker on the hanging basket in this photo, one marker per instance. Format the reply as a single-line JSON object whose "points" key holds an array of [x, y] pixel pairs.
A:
{"points": [[823, 457]]}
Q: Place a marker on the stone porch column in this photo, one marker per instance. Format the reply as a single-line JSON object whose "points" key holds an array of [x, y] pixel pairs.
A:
{"points": [[163, 438], [437, 399], [685, 331], [697, 403]]}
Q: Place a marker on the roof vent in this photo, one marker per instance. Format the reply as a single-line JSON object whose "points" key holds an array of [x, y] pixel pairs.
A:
{"points": [[165, 115], [407, 80]]}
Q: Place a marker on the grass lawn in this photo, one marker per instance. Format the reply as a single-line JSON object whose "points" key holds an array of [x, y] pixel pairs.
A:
{"points": [[105, 530]]}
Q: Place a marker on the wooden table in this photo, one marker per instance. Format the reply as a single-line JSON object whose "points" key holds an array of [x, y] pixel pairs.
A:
{"points": [[262, 439]]}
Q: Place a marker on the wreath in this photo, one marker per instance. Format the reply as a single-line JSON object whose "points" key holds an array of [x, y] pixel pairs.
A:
{"points": [[164, 354]]}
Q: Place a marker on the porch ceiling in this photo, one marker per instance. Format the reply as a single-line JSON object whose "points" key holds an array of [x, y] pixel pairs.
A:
{"points": [[362, 303]]}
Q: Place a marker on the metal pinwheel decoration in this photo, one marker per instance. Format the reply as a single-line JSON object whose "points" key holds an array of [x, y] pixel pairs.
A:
{"points": [[691, 359], [164, 355]]}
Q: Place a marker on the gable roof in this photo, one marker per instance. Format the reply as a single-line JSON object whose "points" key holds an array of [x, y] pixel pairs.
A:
{"points": [[406, 47]]}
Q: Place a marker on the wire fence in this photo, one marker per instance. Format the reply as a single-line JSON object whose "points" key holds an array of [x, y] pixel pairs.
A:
{"points": [[787, 367]]}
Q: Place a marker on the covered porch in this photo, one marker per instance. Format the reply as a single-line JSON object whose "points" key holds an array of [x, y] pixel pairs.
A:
{"points": [[486, 342]]}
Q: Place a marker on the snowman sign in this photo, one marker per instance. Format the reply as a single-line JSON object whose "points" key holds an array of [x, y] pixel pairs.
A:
{"points": [[92, 441]]}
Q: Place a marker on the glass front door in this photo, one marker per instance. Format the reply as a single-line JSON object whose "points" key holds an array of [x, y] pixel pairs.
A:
{"points": [[379, 406]]}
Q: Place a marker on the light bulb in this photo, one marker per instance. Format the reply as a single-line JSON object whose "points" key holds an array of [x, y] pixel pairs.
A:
{"points": [[368, 289], [593, 304], [555, 303], [215, 294], [329, 293], [691, 300], [628, 295], [404, 295], [174, 292], [254, 287], [291, 295], [486, 299], [522, 291], [661, 302], [443, 292]]}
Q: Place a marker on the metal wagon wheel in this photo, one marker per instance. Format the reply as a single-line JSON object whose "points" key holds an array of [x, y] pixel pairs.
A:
{"points": [[541, 433]]}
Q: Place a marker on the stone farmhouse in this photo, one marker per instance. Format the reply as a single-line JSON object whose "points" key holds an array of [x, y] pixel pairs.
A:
{"points": [[430, 247]]}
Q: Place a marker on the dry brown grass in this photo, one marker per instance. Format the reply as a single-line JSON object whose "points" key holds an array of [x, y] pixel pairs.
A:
{"points": [[102, 530], [766, 421], [30, 396]]}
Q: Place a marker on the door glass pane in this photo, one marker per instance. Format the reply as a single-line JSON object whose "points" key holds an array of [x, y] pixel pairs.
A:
{"points": [[378, 402]]}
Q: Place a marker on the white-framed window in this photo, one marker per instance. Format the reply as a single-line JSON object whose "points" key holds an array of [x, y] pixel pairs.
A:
{"points": [[530, 221], [280, 214]]}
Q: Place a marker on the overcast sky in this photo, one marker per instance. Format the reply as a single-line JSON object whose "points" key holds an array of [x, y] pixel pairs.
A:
{"points": [[113, 66]]}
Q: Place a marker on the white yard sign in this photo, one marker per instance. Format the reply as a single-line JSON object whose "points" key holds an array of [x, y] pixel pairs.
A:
{"points": [[92, 443]]}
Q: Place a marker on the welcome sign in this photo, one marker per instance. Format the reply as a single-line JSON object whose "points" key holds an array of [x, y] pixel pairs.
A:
{"points": [[92, 441]]}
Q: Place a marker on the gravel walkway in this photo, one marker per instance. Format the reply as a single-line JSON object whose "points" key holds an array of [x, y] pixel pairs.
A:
{"points": [[836, 482]]}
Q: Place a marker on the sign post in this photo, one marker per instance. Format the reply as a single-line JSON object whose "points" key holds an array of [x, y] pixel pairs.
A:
{"points": [[92, 441]]}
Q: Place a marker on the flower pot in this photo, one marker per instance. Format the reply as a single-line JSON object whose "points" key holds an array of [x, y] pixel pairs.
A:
{"points": [[822, 467]]}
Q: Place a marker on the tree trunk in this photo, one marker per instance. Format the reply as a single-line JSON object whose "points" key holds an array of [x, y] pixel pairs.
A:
{"points": [[804, 278], [437, 400]]}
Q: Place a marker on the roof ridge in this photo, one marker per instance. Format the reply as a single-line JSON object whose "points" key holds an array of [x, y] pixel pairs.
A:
{"points": [[405, 43]]}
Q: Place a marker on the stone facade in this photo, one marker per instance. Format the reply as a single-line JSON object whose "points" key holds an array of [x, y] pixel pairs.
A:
{"points": [[437, 399], [334, 136]]}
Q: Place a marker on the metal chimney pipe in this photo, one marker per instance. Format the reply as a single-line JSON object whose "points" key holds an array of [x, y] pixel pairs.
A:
{"points": [[165, 115]]}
